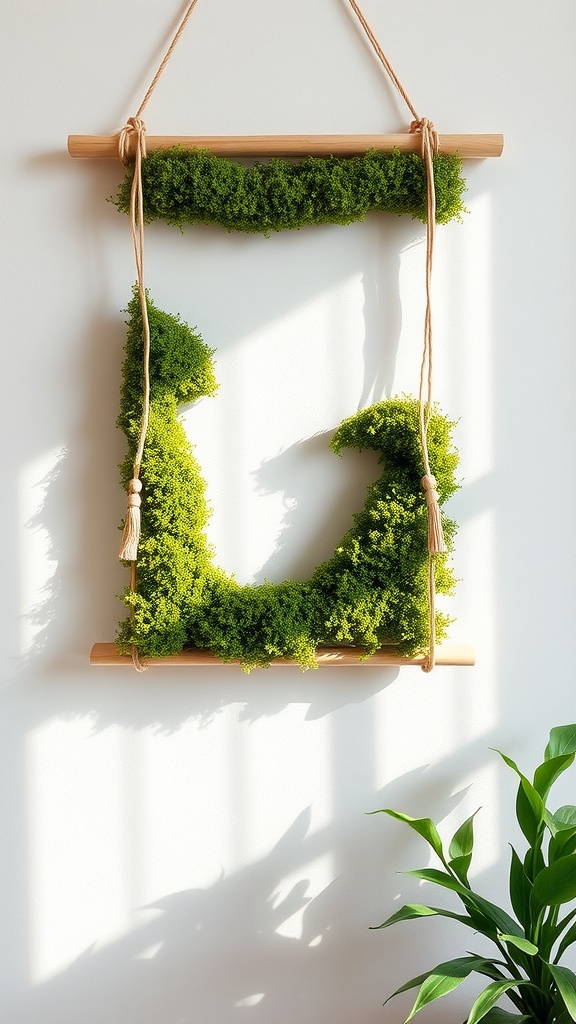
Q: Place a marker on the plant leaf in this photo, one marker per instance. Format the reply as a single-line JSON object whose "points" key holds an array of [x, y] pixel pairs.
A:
{"points": [[565, 843], [530, 810], [463, 839], [411, 911], [425, 827], [566, 983], [499, 1016], [529, 804], [490, 969], [460, 867], [444, 979], [502, 920], [567, 940], [439, 878], [546, 774], [520, 888], [562, 741], [565, 816], [562, 843], [490, 914], [562, 825], [488, 997], [413, 983], [556, 883], [524, 944]]}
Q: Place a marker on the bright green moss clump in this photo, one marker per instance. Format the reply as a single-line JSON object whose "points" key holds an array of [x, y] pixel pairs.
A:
{"points": [[372, 591], [192, 186]]}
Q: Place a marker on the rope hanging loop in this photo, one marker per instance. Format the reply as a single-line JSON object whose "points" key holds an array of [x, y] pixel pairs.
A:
{"points": [[430, 137], [134, 126]]}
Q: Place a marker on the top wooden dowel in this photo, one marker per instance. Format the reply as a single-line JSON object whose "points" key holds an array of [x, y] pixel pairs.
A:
{"points": [[105, 147]]}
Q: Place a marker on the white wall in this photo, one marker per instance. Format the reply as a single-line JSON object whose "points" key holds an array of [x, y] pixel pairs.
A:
{"points": [[187, 846]]}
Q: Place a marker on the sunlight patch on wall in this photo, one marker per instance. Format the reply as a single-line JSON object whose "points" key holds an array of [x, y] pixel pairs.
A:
{"points": [[275, 750], [187, 832], [149, 952], [462, 312], [467, 357], [37, 566], [464, 387], [75, 844], [463, 704], [488, 849], [286, 382], [252, 1000]]}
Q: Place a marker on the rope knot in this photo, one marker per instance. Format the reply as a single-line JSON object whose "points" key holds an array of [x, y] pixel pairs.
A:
{"points": [[134, 488], [429, 484], [436, 542], [131, 534], [425, 127], [134, 126]]}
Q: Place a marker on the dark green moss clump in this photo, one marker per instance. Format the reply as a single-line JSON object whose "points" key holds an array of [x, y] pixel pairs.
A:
{"points": [[192, 186], [373, 591]]}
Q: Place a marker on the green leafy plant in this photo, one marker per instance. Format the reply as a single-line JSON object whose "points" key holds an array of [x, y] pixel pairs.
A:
{"points": [[530, 945], [190, 186]]}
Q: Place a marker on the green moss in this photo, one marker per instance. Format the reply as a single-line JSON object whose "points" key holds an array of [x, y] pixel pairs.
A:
{"points": [[371, 592], [184, 186]]}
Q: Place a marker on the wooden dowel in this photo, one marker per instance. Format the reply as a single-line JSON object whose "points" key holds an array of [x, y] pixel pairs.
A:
{"points": [[105, 147], [331, 657]]}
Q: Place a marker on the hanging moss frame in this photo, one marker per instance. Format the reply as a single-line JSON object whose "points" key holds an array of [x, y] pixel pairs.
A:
{"points": [[374, 589]]}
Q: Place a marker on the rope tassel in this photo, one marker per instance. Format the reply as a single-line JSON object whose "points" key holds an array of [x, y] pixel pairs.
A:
{"points": [[131, 536], [436, 542]]}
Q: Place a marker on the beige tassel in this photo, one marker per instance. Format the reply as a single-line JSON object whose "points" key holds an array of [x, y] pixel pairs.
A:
{"points": [[131, 535], [436, 542]]}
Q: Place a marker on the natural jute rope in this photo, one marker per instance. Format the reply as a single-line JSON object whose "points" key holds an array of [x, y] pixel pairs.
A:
{"points": [[436, 541], [130, 538], [136, 129], [166, 58]]}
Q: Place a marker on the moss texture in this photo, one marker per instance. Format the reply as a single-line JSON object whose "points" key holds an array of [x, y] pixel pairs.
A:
{"points": [[373, 591], [193, 186]]}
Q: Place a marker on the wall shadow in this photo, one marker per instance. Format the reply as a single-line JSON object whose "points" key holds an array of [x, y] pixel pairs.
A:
{"points": [[226, 952], [300, 473]]}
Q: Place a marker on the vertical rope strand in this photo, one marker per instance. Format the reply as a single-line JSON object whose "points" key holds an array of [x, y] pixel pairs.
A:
{"points": [[436, 542], [383, 58], [131, 536], [129, 546], [136, 129], [137, 662], [166, 58]]}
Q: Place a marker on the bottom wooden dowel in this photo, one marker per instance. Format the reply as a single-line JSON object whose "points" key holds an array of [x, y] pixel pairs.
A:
{"points": [[446, 654]]}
